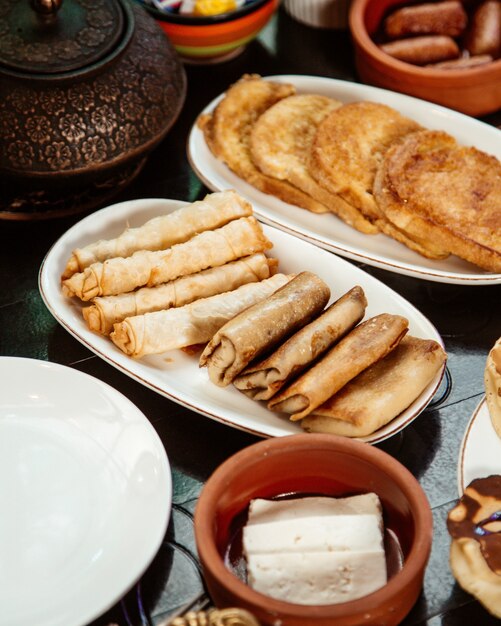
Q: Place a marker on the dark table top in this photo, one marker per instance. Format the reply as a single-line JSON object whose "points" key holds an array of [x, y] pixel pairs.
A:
{"points": [[465, 316]]}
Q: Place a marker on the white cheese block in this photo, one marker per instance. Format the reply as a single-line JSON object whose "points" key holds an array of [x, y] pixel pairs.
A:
{"points": [[317, 578], [314, 534], [261, 511]]}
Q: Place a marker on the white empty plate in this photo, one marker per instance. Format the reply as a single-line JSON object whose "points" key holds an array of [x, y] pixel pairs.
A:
{"points": [[85, 490], [480, 453]]}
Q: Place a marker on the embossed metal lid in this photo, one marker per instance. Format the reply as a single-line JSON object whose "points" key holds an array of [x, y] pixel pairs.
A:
{"points": [[52, 36]]}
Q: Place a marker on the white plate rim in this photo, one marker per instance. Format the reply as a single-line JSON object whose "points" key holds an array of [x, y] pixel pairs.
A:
{"points": [[480, 414], [130, 367], [155, 528], [264, 212]]}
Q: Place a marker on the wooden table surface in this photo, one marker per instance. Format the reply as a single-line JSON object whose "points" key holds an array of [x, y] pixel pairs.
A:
{"points": [[466, 317]]}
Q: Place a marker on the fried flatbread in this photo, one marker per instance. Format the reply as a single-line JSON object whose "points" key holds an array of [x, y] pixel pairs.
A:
{"points": [[493, 385], [227, 131], [381, 392], [280, 145], [348, 147], [431, 187]]}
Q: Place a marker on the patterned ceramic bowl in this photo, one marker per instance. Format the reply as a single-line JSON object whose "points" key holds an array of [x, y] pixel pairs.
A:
{"points": [[215, 38]]}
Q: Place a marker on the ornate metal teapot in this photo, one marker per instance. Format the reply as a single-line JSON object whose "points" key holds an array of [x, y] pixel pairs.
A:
{"points": [[87, 89]]}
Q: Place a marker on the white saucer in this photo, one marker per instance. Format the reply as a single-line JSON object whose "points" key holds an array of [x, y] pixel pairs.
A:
{"points": [[85, 490], [480, 453]]}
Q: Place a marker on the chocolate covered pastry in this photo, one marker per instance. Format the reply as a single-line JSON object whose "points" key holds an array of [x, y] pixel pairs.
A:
{"points": [[475, 527]]}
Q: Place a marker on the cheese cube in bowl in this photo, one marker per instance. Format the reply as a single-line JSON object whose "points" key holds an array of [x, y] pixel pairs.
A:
{"points": [[310, 477]]}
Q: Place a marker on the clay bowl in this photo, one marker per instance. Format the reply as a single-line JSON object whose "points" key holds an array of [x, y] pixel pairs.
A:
{"points": [[319, 464], [214, 38], [475, 91]]}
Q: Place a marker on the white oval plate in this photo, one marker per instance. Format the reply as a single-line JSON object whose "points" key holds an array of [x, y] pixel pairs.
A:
{"points": [[480, 453], [329, 231], [176, 374], [85, 490]]}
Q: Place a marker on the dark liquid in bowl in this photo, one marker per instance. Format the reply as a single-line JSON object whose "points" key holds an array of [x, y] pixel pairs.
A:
{"points": [[235, 560]]}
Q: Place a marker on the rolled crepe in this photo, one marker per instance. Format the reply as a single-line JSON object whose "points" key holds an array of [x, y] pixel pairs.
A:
{"points": [[381, 392], [366, 344], [493, 385], [214, 211], [211, 248], [108, 310], [153, 333], [261, 327], [263, 379]]}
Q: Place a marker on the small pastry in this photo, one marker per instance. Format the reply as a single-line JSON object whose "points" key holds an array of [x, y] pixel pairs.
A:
{"points": [[475, 555]]}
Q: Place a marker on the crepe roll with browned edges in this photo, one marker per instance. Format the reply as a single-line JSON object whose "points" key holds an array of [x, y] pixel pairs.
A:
{"points": [[164, 231], [262, 327], [381, 392], [106, 311], [195, 323], [367, 343], [262, 380], [211, 248]]}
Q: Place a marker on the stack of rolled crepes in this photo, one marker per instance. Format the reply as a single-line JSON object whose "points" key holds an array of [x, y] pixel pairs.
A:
{"points": [[175, 280], [320, 365], [200, 276]]}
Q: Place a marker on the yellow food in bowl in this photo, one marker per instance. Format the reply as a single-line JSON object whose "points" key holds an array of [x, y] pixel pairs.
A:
{"points": [[214, 7]]}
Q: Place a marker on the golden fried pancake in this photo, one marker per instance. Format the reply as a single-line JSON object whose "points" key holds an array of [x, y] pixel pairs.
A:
{"points": [[348, 147], [440, 191], [280, 145], [227, 131], [493, 385], [385, 199], [381, 392]]}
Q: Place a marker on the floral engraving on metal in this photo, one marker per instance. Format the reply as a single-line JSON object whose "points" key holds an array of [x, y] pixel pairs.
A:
{"points": [[89, 122], [69, 142], [85, 34]]}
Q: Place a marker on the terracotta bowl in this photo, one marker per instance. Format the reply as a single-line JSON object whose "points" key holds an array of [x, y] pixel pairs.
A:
{"points": [[319, 464], [474, 91], [215, 38]]}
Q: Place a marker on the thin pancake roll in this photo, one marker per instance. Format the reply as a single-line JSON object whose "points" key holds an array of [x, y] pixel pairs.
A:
{"points": [[381, 392], [367, 343], [261, 327], [262, 380], [211, 248], [159, 233], [195, 323], [108, 310]]}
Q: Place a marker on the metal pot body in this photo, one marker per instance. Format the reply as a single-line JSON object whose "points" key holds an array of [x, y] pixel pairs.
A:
{"points": [[71, 140]]}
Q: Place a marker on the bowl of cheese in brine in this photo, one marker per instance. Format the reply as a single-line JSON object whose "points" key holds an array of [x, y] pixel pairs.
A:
{"points": [[314, 529]]}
